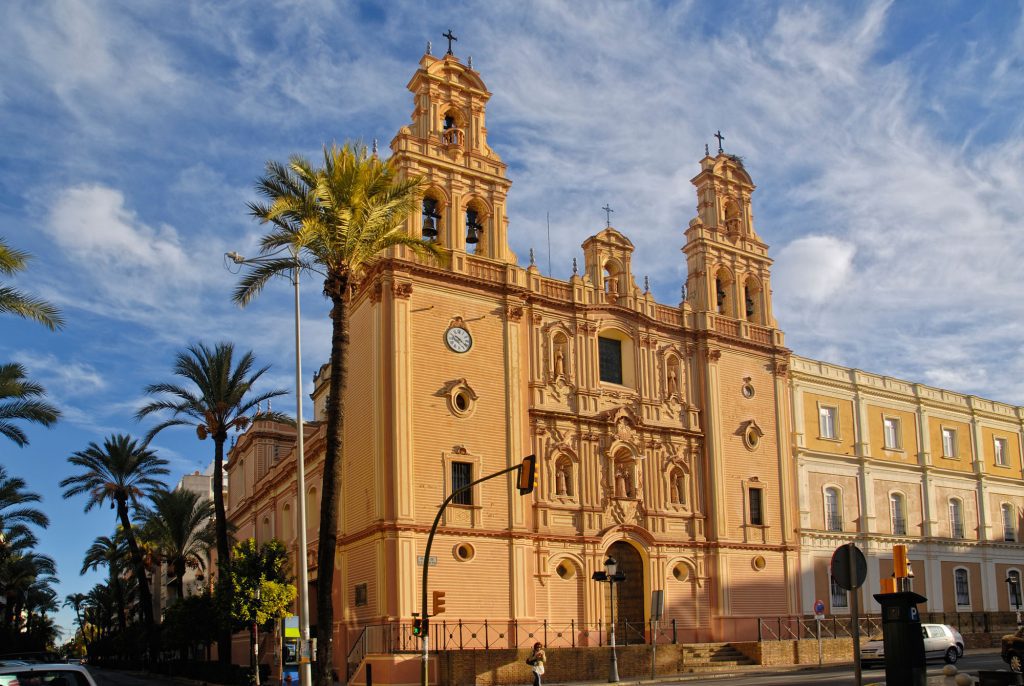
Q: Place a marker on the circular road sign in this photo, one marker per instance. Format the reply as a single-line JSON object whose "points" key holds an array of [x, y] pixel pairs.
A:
{"points": [[841, 572], [819, 607]]}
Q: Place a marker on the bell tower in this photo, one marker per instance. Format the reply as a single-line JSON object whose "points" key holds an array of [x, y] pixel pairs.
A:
{"points": [[464, 207], [728, 263]]}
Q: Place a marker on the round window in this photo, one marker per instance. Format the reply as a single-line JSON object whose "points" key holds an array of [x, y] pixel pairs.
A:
{"points": [[751, 437], [758, 563], [464, 552], [461, 402], [566, 569], [681, 572], [748, 390]]}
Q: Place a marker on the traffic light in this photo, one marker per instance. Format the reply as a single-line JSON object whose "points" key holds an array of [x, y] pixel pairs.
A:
{"points": [[420, 627], [438, 602], [528, 476]]}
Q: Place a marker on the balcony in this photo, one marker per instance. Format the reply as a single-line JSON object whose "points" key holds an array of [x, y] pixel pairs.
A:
{"points": [[833, 523]]}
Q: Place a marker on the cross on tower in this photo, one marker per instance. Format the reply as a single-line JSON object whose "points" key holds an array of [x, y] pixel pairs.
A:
{"points": [[451, 37], [608, 211], [720, 137]]}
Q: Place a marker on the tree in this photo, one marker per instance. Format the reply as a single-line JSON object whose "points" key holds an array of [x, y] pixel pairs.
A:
{"points": [[217, 398], [14, 301], [75, 602], [13, 499], [337, 220], [121, 471], [19, 401], [180, 526], [110, 552]]}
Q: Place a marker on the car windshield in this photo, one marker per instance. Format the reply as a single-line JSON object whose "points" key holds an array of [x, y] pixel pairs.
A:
{"points": [[51, 677]]}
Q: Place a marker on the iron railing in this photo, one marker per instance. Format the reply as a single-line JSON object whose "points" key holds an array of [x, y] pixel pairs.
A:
{"points": [[798, 628], [899, 526], [834, 523]]}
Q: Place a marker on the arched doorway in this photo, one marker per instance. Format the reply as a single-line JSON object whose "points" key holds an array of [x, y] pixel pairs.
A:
{"points": [[629, 595]]}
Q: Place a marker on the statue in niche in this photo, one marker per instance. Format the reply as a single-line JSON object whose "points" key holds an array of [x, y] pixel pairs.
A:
{"points": [[559, 360], [561, 480], [673, 380], [679, 488], [611, 284], [623, 483]]}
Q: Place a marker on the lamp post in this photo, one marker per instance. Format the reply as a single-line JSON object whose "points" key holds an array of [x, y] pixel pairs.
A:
{"points": [[305, 651], [1014, 583], [910, 576], [611, 576], [256, 637]]}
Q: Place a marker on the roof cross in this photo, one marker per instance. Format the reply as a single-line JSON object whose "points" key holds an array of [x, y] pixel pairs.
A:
{"points": [[720, 137], [451, 37], [608, 211]]}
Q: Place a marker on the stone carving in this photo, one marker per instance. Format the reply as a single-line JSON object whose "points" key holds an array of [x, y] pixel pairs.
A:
{"points": [[561, 479], [402, 290], [514, 313], [559, 361]]}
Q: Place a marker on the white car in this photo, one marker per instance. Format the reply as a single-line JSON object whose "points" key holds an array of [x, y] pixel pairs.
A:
{"points": [[45, 675], [940, 640]]}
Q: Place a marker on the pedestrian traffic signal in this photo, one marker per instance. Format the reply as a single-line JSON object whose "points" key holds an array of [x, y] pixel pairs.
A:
{"points": [[438, 602], [420, 627], [528, 476]]}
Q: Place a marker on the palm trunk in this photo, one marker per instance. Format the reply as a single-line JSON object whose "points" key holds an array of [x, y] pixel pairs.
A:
{"points": [[179, 572], [223, 551], [122, 621], [145, 597], [331, 482]]}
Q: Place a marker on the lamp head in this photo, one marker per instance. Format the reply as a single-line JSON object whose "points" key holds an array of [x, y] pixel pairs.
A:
{"points": [[610, 566]]}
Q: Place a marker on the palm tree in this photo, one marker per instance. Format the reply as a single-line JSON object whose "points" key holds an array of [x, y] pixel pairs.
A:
{"points": [[121, 471], [217, 398], [13, 499], [75, 601], [336, 220], [18, 575], [110, 552], [18, 401], [14, 301], [179, 525]]}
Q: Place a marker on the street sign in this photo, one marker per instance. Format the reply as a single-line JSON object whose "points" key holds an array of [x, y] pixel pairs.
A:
{"points": [[433, 560], [819, 609], [846, 577], [657, 604]]}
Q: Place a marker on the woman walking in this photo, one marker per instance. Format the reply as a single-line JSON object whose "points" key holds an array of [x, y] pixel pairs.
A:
{"points": [[536, 661]]}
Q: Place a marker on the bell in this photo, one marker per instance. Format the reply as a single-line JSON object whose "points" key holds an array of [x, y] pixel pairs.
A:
{"points": [[473, 228], [471, 236], [429, 228]]}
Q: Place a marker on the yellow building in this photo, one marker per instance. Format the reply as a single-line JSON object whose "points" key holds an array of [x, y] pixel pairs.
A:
{"points": [[662, 431], [883, 461]]}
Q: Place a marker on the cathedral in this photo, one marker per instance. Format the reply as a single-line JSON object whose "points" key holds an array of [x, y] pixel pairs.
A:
{"points": [[684, 440]]}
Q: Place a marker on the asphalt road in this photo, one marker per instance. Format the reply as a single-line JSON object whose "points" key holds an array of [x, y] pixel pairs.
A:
{"points": [[108, 677]]}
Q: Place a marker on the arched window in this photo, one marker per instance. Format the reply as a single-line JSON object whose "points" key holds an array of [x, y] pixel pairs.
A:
{"points": [[898, 514], [723, 296], [1013, 588], [613, 285], [963, 587], [833, 510], [615, 358], [956, 518], [312, 509], [1009, 522], [451, 134], [752, 301]]}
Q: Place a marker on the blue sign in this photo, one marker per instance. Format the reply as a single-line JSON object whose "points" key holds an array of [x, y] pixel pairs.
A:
{"points": [[819, 607]]}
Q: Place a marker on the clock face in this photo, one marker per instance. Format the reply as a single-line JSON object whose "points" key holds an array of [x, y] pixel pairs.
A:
{"points": [[458, 339]]}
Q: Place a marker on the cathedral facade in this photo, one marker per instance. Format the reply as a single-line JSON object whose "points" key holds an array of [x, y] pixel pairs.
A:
{"points": [[661, 431]]}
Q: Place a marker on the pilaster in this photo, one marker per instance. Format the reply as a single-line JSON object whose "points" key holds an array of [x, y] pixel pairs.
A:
{"points": [[402, 403]]}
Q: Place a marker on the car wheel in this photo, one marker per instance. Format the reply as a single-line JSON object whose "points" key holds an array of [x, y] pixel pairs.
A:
{"points": [[1014, 662], [952, 655]]}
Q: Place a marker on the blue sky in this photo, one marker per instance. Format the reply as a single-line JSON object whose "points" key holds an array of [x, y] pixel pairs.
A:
{"points": [[887, 142]]}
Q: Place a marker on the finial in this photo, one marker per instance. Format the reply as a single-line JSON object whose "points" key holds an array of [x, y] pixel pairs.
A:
{"points": [[707, 153], [684, 292], [470, 60], [647, 284], [429, 46], [258, 408], [720, 137], [451, 37], [268, 403], [532, 263], [575, 271], [375, 147], [608, 211]]}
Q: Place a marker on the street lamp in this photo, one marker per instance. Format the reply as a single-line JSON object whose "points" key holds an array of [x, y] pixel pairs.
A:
{"points": [[611, 576], [305, 672], [1014, 582], [256, 637]]}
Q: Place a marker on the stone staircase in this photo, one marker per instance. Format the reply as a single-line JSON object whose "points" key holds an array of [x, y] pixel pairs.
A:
{"points": [[713, 657]]}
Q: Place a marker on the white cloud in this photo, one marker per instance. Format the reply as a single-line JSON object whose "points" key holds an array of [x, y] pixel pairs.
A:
{"points": [[812, 269], [61, 377]]}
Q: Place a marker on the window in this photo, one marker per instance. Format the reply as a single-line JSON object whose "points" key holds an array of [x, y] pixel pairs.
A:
{"points": [[1013, 584], [838, 594], [956, 518], [833, 511], [963, 588], [755, 499], [892, 434], [1009, 522], [897, 514], [462, 475], [999, 445], [827, 424], [610, 355], [362, 596], [949, 442]]}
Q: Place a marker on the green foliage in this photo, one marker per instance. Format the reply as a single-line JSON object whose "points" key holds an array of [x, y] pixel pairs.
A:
{"points": [[20, 401], [191, 623], [265, 568], [15, 302]]}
